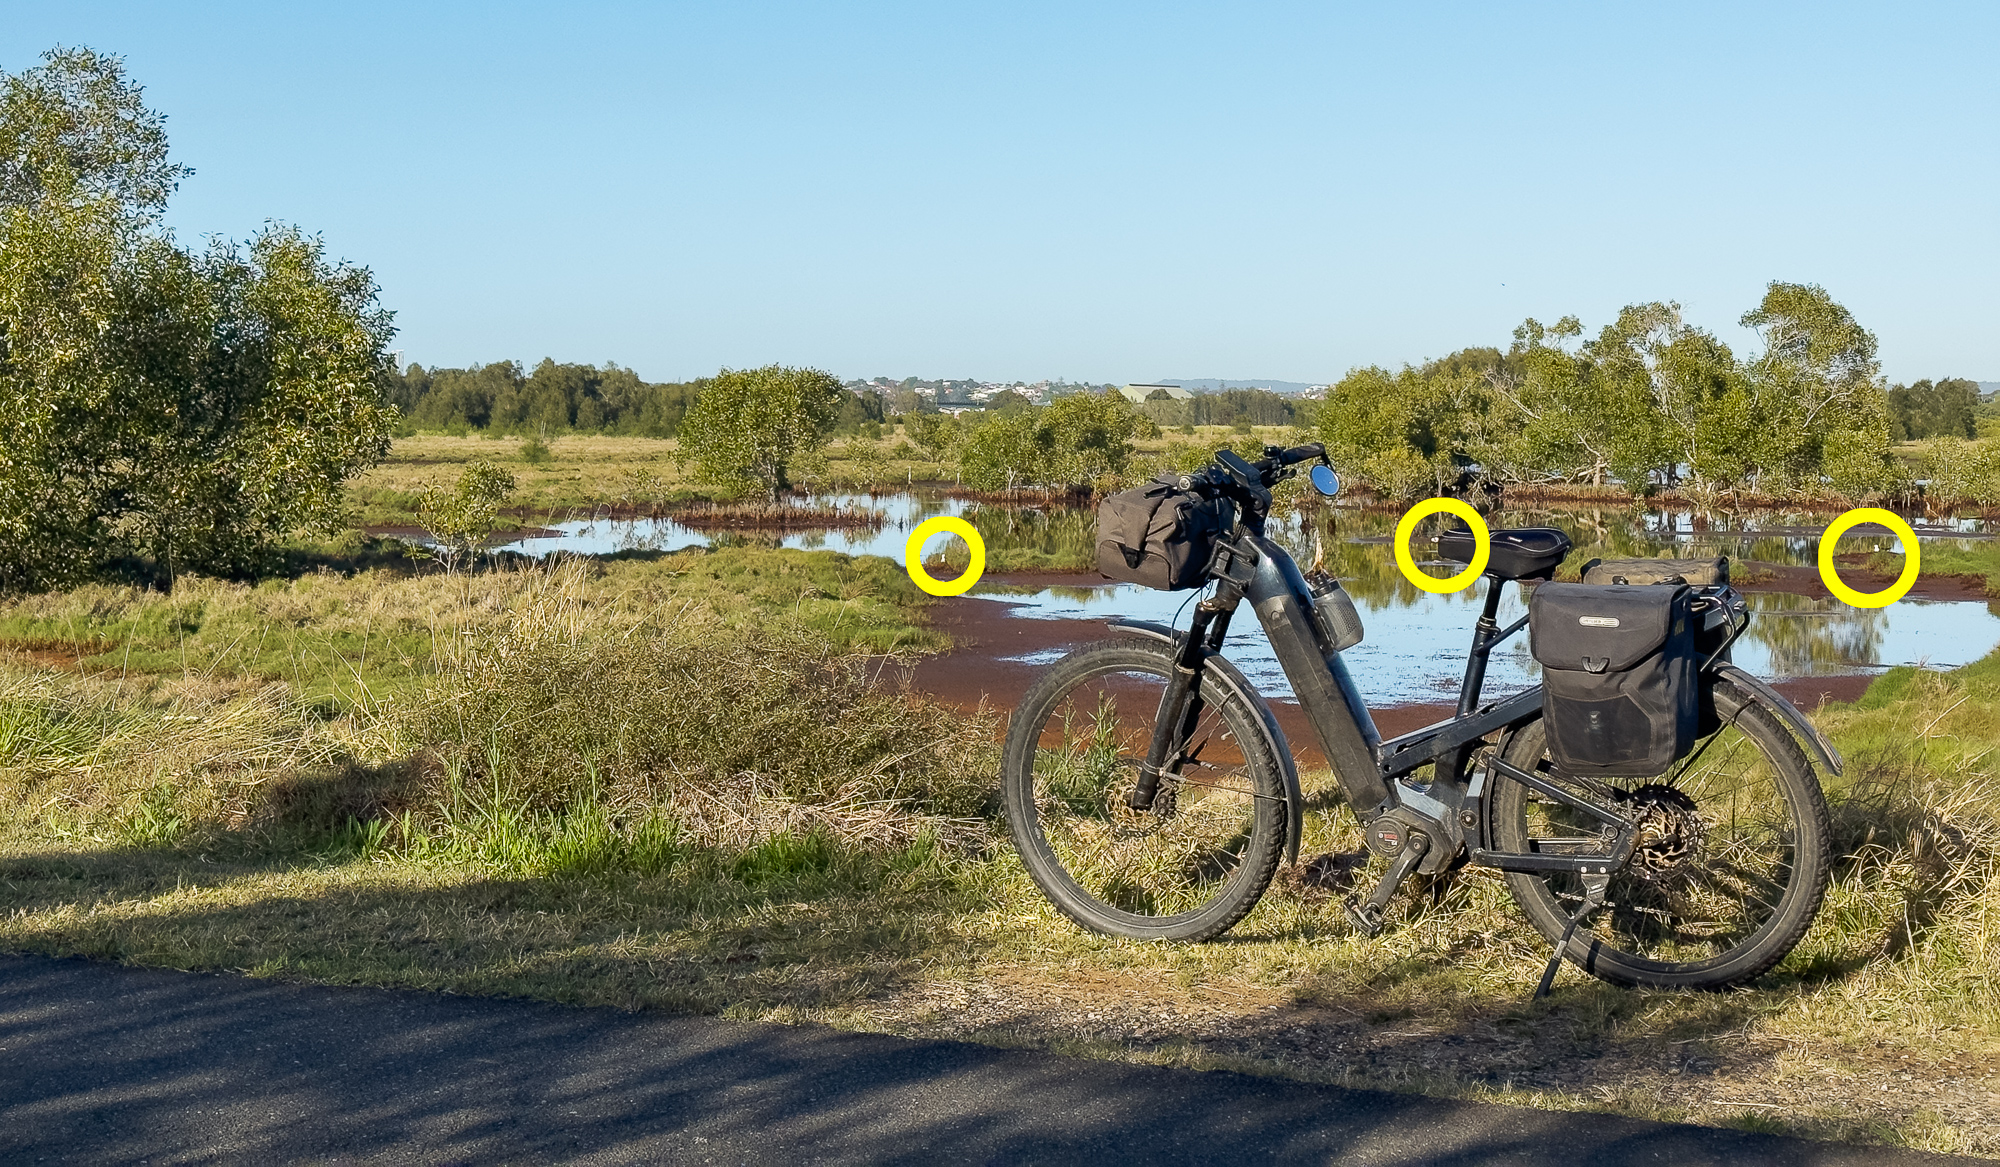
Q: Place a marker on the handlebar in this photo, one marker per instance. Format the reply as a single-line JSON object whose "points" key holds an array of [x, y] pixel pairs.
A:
{"points": [[1297, 454], [1231, 474], [1249, 483]]}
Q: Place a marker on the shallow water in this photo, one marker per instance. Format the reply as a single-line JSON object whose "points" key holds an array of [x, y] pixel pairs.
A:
{"points": [[607, 536], [1414, 652], [1416, 642]]}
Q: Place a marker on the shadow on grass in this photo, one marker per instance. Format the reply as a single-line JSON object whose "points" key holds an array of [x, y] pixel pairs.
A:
{"points": [[794, 926]]}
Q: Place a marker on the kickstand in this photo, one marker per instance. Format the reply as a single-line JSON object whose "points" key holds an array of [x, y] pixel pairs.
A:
{"points": [[1594, 887]]}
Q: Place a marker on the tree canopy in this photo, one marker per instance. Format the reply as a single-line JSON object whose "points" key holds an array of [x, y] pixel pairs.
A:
{"points": [[751, 427], [1945, 409], [1072, 441], [174, 409], [1650, 401]]}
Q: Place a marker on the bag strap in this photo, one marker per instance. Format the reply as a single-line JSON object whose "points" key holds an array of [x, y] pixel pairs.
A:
{"points": [[1134, 554]]}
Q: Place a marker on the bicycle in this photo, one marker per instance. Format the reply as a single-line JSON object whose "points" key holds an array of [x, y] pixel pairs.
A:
{"points": [[1151, 791]]}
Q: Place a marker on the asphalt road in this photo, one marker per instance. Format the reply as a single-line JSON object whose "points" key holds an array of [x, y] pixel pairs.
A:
{"points": [[102, 1063]]}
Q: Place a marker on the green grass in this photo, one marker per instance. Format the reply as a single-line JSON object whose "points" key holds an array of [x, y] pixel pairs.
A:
{"points": [[1980, 560], [664, 782]]}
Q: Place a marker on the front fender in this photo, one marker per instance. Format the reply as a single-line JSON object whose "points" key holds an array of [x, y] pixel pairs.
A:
{"points": [[1274, 734], [1763, 694]]}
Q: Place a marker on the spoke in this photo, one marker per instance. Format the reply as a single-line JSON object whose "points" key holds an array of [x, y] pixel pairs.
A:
{"points": [[1177, 857], [1242, 790]]}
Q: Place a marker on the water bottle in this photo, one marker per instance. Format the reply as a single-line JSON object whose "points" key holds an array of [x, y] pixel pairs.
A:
{"points": [[1333, 610]]}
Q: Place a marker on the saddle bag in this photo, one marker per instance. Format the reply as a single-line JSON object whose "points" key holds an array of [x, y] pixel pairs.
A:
{"points": [[1620, 695], [1160, 535]]}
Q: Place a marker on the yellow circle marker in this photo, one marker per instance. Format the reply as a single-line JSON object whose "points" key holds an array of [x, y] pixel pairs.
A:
{"points": [[1831, 577], [1482, 539], [913, 555]]}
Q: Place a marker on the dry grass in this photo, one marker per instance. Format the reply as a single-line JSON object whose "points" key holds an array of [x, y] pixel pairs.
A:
{"points": [[582, 474], [578, 474], [586, 794], [738, 734], [726, 516]]}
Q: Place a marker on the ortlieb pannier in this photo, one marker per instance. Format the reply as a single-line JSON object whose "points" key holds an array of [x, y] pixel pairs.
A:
{"points": [[1160, 535], [1618, 676]]}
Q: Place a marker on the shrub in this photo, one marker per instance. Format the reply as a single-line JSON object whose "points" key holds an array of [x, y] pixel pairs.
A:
{"points": [[1962, 472], [738, 733], [459, 519]]}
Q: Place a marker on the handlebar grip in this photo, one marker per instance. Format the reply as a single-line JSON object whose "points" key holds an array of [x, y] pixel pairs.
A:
{"points": [[1303, 453]]}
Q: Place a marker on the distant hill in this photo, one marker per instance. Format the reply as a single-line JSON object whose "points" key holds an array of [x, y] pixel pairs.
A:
{"points": [[1988, 388], [1213, 385]]}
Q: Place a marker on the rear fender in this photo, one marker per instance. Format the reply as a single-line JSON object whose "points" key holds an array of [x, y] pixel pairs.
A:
{"points": [[1763, 694], [1274, 734]]}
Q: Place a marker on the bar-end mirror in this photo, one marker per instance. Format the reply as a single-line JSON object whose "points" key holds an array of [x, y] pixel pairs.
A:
{"points": [[1324, 480]]}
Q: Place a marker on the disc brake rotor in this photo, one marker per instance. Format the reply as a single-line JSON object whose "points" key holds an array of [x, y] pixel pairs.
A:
{"points": [[1118, 809]]}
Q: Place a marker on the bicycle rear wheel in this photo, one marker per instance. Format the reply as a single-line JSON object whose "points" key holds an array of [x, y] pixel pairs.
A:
{"points": [[1196, 862], [1730, 870]]}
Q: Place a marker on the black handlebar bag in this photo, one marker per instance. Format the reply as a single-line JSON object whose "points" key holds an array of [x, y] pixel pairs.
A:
{"points": [[1620, 696], [1160, 535]]}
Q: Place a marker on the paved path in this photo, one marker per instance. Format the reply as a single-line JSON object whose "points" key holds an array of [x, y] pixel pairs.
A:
{"points": [[101, 1063]]}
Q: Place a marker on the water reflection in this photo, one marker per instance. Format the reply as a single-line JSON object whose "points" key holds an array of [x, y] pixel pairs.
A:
{"points": [[1415, 651]]}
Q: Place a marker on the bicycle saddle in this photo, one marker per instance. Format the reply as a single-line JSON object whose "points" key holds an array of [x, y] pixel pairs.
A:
{"points": [[1519, 553]]}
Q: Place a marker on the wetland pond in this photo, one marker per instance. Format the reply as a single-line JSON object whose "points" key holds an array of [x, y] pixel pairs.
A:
{"points": [[1414, 653]]}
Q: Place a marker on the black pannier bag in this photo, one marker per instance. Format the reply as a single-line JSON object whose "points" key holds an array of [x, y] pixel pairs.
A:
{"points": [[1618, 676], [1160, 535]]}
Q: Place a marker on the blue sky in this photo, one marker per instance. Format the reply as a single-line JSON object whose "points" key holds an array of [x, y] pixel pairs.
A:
{"points": [[1097, 192]]}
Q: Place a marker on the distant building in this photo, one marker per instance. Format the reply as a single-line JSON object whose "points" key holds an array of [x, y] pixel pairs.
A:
{"points": [[1137, 394]]}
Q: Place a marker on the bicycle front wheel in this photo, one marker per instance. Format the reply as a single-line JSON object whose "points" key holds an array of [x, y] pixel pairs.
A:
{"points": [[1196, 862], [1731, 867]]}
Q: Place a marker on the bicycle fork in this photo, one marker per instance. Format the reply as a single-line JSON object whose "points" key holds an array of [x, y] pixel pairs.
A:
{"points": [[1180, 705]]}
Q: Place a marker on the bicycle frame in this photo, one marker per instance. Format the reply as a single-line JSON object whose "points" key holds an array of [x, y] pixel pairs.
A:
{"points": [[1428, 827], [1442, 818]]}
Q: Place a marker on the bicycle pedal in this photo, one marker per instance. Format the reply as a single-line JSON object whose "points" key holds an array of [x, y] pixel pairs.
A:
{"points": [[1366, 918]]}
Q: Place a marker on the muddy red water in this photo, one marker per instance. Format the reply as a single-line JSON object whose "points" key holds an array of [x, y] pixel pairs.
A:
{"points": [[976, 672]]}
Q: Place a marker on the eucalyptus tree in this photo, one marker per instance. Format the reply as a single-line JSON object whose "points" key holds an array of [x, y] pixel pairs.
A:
{"points": [[1944, 409], [1685, 386], [1561, 419], [1821, 405]]}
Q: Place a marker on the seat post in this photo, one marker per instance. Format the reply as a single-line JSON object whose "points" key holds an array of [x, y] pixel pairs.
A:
{"points": [[1482, 644]]}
